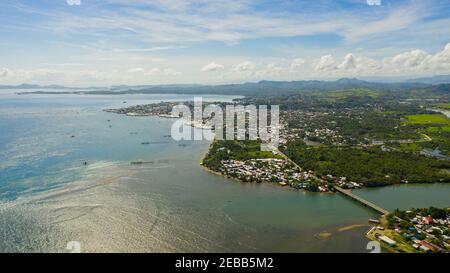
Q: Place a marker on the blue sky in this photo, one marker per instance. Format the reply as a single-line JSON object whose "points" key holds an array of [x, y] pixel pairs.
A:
{"points": [[106, 42]]}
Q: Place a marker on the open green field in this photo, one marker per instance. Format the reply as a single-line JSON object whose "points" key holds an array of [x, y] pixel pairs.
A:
{"points": [[236, 150], [423, 119], [445, 106], [352, 93], [433, 129]]}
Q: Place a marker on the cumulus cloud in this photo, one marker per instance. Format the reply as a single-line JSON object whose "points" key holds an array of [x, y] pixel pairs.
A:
{"points": [[349, 62], [441, 60], [326, 63], [297, 63], [420, 61], [409, 59], [245, 66], [212, 67], [411, 62], [73, 2]]}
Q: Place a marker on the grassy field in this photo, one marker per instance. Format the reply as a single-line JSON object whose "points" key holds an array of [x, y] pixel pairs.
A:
{"points": [[351, 93], [445, 106], [423, 119], [434, 129], [402, 244]]}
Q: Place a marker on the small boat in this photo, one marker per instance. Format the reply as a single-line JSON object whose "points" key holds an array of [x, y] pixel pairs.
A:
{"points": [[141, 162], [374, 221]]}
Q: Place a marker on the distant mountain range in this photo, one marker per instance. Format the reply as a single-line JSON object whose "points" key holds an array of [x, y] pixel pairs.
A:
{"points": [[34, 86], [115, 87], [440, 79], [245, 89]]}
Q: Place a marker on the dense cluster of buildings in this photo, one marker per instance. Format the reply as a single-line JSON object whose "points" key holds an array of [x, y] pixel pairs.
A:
{"points": [[273, 170], [426, 233], [158, 109], [342, 182], [313, 126]]}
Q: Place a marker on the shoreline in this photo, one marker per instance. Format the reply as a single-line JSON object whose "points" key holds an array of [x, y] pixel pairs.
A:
{"points": [[201, 163]]}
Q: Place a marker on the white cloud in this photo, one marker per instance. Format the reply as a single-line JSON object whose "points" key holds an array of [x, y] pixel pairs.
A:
{"points": [[136, 70], [420, 60], [413, 62], [245, 66], [326, 63], [440, 61], [229, 21], [273, 68], [212, 67], [374, 2], [297, 63], [235, 68], [401, 20], [150, 49], [349, 62], [170, 72], [410, 59], [63, 64], [4, 72], [73, 2], [153, 71]]}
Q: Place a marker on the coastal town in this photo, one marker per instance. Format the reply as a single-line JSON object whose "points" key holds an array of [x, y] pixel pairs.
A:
{"points": [[417, 230], [274, 170], [325, 145], [311, 139], [162, 109]]}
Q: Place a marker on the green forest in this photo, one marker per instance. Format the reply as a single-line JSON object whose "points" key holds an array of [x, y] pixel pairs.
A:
{"points": [[370, 166]]}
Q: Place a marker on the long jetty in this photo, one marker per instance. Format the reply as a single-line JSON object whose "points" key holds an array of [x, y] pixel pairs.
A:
{"points": [[362, 201]]}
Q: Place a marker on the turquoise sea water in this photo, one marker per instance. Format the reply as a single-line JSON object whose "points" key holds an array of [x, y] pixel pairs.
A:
{"points": [[48, 197]]}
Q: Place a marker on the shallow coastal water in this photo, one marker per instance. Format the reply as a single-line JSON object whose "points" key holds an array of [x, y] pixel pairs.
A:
{"points": [[48, 197], [408, 196]]}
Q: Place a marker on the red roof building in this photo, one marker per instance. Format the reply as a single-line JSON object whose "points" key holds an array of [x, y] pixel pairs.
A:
{"points": [[428, 220]]}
